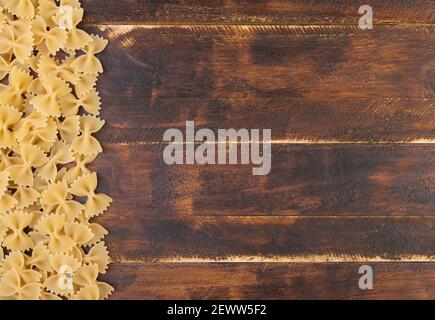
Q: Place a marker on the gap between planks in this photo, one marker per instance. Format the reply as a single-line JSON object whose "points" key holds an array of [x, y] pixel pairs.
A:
{"points": [[247, 24], [300, 29], [292, 141], [280, 259]]}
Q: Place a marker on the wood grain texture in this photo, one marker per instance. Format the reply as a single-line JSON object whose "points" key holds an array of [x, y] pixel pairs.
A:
{"points": [[267, 62], [135, 119], [316, 180], [254, 12], [280, 238], [270, 281], [350, 181]]}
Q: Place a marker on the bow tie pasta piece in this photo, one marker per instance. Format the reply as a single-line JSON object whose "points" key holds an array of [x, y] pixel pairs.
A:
{"points": [[12, 94], [23, 128], [64, 266], [21, 46], [7, 160], [63, 70], [57, 196], [88, 63], [86, 144], [85, 83], [43, 137], [91, 102], [33, 157], [16, 222], [11, 287], [98, 255], [17, 261], [91, 289], [9, 116], [54, 39], [53, 227], [47, 9], [63, 236], [85, 186], [69, 129], [26, 197], [60, 153], [79, 232], [48, 103], [21, 27], [40, 258], [35, 88], [7, 203], [80, 168], [6, 65], [68, 17], [98, 231], [21, 8]]}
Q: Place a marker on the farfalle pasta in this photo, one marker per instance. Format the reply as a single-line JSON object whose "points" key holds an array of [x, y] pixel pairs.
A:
{"points": [[50, 247]]}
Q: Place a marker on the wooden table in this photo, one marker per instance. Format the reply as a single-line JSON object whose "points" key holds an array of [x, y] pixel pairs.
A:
{"points": [[353, 122]]}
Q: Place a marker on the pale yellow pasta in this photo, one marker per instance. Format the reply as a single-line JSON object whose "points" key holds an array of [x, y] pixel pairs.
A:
{"points": [[90, 102], [26, 197], [20, 8], [47, 9], [2, 18], [63, 70], [48, 115], [80, 168], [89, 63], [53, 226], [15, 223], [98, 255], [11, 287], [69, 129], [12, 94], [86, 144], [58, 263], [98, 231], [96, 203], [9, 116], [57, 195], [4, 182], [76, 38], [86, 277], [21, 46], [54, 39], [32, 157], [60, 153], [54, 89], [85, 83]]}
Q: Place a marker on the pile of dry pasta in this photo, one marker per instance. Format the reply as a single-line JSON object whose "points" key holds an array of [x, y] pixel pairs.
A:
{"points": [[49, 111]]}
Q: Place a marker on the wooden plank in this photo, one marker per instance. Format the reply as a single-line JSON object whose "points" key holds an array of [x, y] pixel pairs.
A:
{"points": [[269, 281], [309, 180], [254, 12], [140, 119], [135, 237], [150, 62]]}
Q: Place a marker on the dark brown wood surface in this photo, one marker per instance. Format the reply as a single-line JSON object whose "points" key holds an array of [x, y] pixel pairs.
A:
{"points": [[269, 281], [306, 180], [255, 12], [353, 130]]}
